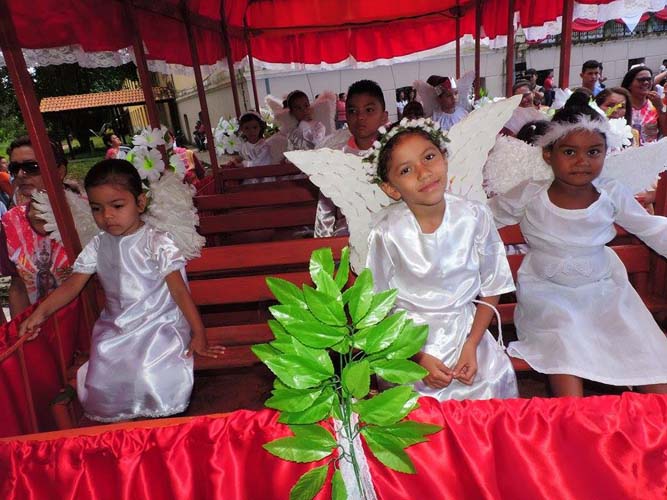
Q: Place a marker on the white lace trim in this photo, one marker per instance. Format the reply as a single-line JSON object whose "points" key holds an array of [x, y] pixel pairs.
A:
{"points": [[346, 467], [147, 414]]}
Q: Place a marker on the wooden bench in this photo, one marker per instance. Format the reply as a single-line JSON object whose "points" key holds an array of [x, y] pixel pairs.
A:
{"points": [[230, 174]]}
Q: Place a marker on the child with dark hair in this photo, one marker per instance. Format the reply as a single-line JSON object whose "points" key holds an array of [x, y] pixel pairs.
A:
{"points": [[255, 152], [532, 131], [308, 132], [112, 142], [578, 317], [142, 344], [413, 110], [450, 112]]}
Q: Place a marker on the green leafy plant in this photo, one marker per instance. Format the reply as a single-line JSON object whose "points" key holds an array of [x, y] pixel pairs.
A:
{"points": [[318, 329]]}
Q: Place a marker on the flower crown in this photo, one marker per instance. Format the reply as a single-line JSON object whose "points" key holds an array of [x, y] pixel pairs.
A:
{"points": [[617, 132], [371, 160]]}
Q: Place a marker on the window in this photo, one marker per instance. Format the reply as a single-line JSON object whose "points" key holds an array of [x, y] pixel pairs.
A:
{"points": [[636, 61]]}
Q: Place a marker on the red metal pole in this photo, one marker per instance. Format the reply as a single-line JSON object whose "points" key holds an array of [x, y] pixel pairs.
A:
{"points": [[228, 55], [200, 86], [565, 44], [251, 62], [25, 95], [478, 36], [509, 58], [458, 44]]}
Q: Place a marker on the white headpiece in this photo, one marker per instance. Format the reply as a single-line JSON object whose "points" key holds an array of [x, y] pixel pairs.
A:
{"points": [[616, 131]]}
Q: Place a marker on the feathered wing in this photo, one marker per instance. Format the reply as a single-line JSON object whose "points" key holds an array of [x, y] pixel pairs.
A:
{"points": [[342, 178], [324, 110], [171, 210], [511, 162], [464, 86], [426, 95], [336, 140], [278, 144], [471, 140], [84, 222], [286, 122], [637, 168]]}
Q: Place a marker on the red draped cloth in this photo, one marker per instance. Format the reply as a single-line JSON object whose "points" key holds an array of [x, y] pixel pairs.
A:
{"points": [[611, 447]]}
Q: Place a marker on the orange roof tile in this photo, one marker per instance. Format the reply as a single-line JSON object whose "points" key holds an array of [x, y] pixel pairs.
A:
{"points": [[101, 99]]}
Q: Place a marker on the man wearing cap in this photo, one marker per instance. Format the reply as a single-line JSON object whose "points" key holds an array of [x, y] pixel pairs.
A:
{"points": [[450, 112]]}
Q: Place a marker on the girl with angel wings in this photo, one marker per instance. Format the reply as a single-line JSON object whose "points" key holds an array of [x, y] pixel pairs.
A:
{"points": [[448, 101]]}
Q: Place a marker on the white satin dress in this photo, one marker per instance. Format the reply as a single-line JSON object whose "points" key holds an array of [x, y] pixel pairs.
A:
{"points": [[437, 276], [137, 366], [577, 312]]}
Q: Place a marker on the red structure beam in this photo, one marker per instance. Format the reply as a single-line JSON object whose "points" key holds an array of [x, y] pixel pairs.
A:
{"points": [[509, 55], [458, 43], [228, 55], [201, 93], [478, 37], [566, 44], [253, 78]]}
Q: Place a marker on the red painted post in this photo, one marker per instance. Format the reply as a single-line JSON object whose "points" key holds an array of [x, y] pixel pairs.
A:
{"points": [[565, 44], [251, 63], [228, 55], [478, 37], [201, 93], [458, 43], [509, 57]]}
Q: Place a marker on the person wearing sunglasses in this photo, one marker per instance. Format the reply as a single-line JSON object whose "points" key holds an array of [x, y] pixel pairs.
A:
{"points": [[36, 263], [648, 117]]}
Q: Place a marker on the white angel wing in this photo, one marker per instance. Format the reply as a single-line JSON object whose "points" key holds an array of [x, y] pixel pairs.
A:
{"points": [[511, 162], [336, 140], [521, 116], [637, 168], [324, 110], [342, 178], [426, 95], [464, 86], [471, 140], [278, 144], [78, 205], [560, 98], [286, 122], [171, 210]]}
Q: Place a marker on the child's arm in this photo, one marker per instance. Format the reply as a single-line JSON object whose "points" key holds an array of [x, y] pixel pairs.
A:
{"points": [[439, 376], [60, 297], [466, 366], [179, 291]]}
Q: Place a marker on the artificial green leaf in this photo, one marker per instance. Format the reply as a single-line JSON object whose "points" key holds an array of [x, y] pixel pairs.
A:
{"points": [[343, 273], [336, 411], [409, 432], [387, 450], [357, 378], [382, 335], [409, 342], [265, 352], [315, 433], [343, 346], [293, 400], [328, 286], [399, 371], [319, 410], [380, 307], [298, 449], [360, 296], [309, 484], [325, 308], [290, 313], [321, 261], [300, 372], [287, 293], [338, 490], [283, 340], [306, 327], [388, 407]]}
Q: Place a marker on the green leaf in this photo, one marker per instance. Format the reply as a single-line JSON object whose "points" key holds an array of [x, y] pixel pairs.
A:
{"points": [[338, 490], [307, 328], [283, 340], [357, 378], [360, 296], [343, 346], [409, 432], [305, 369], [287, 293], [325, 308], [335, 408], [328, 286], [319, 410], [292, 400], [387, 450], [343, 273], [265, 352], [298, 449], [382, 335], [399, 371], [309, 484], [388, 407], [321, 261], [314, 432], [380, 307], [409, 342]]}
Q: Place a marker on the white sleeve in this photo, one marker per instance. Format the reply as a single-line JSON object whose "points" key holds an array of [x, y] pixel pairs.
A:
{"points": [[86, 262], [495, 274], [379, 261], [315, 133], [257, 156], [509, 208], [166, 255]]}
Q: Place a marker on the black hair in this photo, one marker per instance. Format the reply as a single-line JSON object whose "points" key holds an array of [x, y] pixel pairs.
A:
{"points": [[413, 109], [591, 64], [106, 139], [435, 80], [520, 83], [56, 147], [385, 152], [531, 131], [368, 87], [632, 74], [115, 172], [602, 97], [530, 71], [248, 117], [575, 107], [341, 95], [293, 96]]}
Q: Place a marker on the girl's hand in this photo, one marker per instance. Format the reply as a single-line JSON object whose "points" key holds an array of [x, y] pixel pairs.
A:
{"points": [[199, 345], [655, 99], [439, 376], [466, 367], [31, 326]]}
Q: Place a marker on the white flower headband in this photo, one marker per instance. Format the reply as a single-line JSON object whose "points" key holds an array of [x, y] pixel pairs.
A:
{"points": [[371, 160], [617, 132]]}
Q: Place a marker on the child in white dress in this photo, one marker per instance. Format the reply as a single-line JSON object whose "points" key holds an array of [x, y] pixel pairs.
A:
{"points": [[308, 133], [255, 151], [142, 344], [577, 316], [442, 253]]}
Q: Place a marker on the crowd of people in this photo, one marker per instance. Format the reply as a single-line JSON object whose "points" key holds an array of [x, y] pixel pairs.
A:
{"points": [[441, 251]]}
